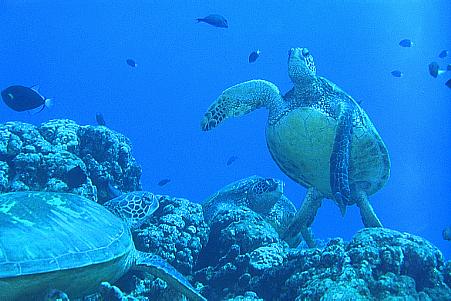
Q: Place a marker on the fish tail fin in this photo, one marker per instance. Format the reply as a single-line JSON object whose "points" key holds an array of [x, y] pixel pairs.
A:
{"points": [[48, 103]]}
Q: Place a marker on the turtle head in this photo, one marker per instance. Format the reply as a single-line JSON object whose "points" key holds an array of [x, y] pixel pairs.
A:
{"points": [[264, 193], [134, 207], [300, 65]]}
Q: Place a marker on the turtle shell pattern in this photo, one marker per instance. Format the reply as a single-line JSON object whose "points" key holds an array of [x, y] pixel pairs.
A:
{"points": [[46, 235]]}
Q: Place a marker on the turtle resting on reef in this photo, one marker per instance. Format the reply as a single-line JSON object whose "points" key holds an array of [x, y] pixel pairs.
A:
{"points": [[318, 135], [60, 241], [256, 193], [263, 196]]}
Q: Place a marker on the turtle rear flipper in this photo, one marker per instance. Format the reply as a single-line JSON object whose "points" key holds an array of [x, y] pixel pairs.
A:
{"points": [[367, 213], [158, 267], [339, 159], [300, 225]]}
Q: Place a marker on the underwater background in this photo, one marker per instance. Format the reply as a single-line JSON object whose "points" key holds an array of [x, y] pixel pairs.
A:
{"points": [[76, 52]]}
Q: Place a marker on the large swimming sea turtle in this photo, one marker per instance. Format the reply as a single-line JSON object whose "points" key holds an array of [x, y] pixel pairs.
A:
{"points": [[318, 135], [66, 242]]}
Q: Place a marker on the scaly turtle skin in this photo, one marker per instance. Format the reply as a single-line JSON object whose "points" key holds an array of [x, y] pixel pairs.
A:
{"points": [[318, 135], [66, 242]]}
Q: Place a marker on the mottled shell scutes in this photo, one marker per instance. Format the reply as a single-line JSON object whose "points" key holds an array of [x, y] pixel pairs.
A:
{"points": [[41, 233]]}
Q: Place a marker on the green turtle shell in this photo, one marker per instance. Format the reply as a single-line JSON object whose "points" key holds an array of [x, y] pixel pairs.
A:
{"points": [[301, 143], [48, 237]]}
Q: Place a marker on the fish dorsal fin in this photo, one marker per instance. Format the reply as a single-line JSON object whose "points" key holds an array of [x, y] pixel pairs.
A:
{"points": [[35, 88]]}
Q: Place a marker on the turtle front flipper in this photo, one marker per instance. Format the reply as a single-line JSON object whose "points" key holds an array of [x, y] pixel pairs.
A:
{"points": [[300, 225], [240, 100], [339, 159], [158, 267]]}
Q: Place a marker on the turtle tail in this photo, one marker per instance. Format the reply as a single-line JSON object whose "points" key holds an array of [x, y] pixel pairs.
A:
{"points": [[239, 100]]}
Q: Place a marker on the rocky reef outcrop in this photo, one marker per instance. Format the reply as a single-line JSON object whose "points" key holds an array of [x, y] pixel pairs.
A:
{"points": [[228, 247], [40, 158]]}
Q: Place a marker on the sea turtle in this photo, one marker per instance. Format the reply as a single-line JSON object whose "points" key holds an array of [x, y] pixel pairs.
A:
{"points": [[262, 195], [66, 242], [256, 193], [318, 135]]}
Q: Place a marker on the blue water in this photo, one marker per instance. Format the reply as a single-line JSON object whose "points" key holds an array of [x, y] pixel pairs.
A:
{"points": [[76, 52]]}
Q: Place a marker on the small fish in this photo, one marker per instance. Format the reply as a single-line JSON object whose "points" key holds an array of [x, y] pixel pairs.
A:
{"points": [[131, 63], [76, 177], [434, 69], [215, 20], [397, 73], [100, 120], [113, 190], [448, 67], [448, 83], [231, 160], [20, 98], [443, 54], [406, 43], [254, 56], [446, 233], [164, 182]]}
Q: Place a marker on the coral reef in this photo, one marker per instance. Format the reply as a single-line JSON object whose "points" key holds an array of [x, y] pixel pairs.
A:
{"points": [[176, 231], [39, 158], [230, 245], [377, 264]]}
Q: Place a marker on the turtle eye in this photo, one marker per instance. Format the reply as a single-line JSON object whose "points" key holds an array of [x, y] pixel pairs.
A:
{"points": [[305, 52]]}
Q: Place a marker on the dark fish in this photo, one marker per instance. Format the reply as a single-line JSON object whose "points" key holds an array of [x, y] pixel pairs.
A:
{"points": [[396, 73], [448, 67], [254, 56], [215, 20], [448, 83], [434, 70], [100, 120], [76, 177], [164, 182], [443, 54], [20, 98], [131, 62], [406, 43], [231, 160], [446, 233]]}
